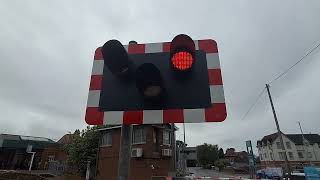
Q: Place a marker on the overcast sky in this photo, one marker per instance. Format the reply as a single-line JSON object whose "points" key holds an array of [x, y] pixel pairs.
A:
{"points": [[47, 47]]}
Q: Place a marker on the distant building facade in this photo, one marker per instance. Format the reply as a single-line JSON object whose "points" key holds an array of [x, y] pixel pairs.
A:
{"points": [[299, 149], [48, 153], [54, 157], [191, 156], [152, 152], [236, 159], [13, 151]]}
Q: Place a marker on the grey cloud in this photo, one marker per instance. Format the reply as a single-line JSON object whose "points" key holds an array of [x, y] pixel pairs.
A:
{"points": [[47, 50]]}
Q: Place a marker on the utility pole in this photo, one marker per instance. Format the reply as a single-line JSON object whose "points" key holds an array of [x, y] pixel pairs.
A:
{"points": [[303, 144], [279, 132]]}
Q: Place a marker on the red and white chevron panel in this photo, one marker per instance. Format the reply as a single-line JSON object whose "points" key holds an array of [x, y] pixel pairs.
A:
{"points": [[216, 113]]}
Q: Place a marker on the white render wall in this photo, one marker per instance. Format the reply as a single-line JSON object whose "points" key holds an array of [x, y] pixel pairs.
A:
{"points": [[265, 150]]}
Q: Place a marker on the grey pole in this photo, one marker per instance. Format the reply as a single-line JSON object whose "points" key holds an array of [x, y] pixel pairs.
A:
{"points": [[279, 132], [184, 150], [125, 148], [124, 154], [304, 145]]}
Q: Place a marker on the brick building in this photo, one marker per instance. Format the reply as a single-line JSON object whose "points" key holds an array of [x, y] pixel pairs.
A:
{"points": [[13, 153], [299, 149], [152, 152], [236, 159], [54, 156]]}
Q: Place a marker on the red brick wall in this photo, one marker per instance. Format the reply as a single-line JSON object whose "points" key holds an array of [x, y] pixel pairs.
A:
{"points": [[56, 151], [151, 164]]}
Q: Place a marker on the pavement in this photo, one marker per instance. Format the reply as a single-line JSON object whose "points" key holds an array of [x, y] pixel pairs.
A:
{"points": [[200, 172]]}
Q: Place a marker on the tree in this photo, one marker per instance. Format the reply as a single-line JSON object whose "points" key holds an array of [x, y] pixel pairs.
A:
{"points": [[221, 164], [207, 154], [221, 153], [83, 147]]}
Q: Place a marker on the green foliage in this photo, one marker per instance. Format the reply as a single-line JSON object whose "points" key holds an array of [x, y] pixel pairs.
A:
{"points": [[221, 164], [83, 147], [221, 153], [207, 154]]}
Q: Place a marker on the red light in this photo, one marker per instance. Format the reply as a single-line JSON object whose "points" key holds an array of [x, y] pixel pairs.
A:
{"points": [[182, 60]]}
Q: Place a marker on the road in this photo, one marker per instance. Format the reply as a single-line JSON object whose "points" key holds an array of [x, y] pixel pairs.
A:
{"points": [[199, 172]]}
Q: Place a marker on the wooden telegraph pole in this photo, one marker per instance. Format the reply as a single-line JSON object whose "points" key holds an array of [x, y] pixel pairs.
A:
{"points": [[279, 132]]}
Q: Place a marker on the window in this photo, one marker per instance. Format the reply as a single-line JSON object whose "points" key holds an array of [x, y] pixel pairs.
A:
{"points": [[279, 145], [309, 155], [51, 158], [106, 139], [265, 155], [261, 158], [271, 156], [139, 135], [281, 156], [290, 155], [166, 137], [288, 145], [300, 154]]}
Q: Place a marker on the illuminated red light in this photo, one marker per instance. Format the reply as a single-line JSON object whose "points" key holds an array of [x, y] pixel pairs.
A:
{"points": [[182, 60]]}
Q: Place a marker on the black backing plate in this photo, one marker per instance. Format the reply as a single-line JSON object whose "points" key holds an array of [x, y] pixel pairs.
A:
{"points": [[188, 91]]}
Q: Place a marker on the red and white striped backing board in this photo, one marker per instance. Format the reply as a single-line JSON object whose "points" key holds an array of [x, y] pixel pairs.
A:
{"points": [[216, 113]]}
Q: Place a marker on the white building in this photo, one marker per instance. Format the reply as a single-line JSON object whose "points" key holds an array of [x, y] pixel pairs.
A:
{"points": [[299, 150]]}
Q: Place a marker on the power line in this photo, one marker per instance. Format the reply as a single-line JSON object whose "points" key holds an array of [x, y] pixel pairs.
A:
{"points": [[255, 102], [286, 71]]}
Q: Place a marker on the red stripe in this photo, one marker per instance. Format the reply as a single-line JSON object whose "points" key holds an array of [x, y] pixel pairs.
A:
{"points": [[166, 47], [208, 46], [215, 76], [173, 116], [96, 82], [98, 54], [94, 116], [136, 48], [133, 117], [216, 113]]}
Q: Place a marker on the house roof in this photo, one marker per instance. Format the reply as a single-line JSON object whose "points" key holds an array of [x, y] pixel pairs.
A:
{"points": [[231, 152], [296, 138], [19, 141], [66, 139], [189, 149], [269, 138]]}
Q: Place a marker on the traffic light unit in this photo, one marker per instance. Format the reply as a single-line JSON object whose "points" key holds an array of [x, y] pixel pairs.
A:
{"points": [[171, 82]]}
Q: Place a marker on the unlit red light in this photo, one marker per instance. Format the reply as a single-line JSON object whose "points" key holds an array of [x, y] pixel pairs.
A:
{"points": [[182, 60]]}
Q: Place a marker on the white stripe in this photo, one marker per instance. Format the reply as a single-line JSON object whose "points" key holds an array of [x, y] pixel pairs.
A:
{"points": [[93, 98], [153, 117], [97, 68], [193, 115], [196, 44], [216, 93], [154, 48], [213, 61], [113, 117], [126, 47]]}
